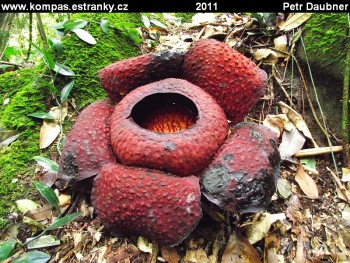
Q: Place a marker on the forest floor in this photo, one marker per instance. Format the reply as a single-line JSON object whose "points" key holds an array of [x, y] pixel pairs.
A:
{"points": [[309, 217]]}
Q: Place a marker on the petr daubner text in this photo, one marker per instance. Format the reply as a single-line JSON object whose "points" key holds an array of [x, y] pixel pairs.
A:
{"points": [[309, 6]]}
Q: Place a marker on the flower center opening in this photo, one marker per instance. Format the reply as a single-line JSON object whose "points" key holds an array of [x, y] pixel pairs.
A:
{"points": [[165, 112]]}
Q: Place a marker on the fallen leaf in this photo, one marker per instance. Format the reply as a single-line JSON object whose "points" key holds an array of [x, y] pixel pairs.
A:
{"points": [[169, 254], [276, 122], [64, 200], [295, 20], [203, 18], [297, 120], [43, 241], [51, 128], [281, 45], [266, 55], [272, 245], [24, 205], [196, 256], [6, 101], [239, 250], [284, 188], [8, 141], [306, 183], [144, 245], [260, 226], [292, 142], [35, 225], [346, 174], [9, 233], [309, 164], [41, 214], [300, 256]]}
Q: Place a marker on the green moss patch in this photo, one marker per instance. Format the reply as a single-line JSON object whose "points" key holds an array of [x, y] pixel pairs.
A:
{"points": [[16, 161]]}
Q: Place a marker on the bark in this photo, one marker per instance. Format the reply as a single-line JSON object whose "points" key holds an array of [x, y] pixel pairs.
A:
{"points": [[6, 20], [41, 30], [30, 34]]}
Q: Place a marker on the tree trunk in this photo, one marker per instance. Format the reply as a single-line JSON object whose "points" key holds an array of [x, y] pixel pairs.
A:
{"points": [[41, 30], [30, 34], [5, 26]]}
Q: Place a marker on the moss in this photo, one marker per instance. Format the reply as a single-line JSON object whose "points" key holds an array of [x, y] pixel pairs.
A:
{"points": [[12, 81], [85, 60], [16, 161], [325, 38]]}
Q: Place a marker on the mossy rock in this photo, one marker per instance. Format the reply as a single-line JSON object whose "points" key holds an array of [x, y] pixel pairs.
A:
{"points": [[16, 161], [326, 41]]}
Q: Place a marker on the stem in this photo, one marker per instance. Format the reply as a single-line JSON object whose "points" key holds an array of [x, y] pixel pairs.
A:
{"points": [[345, 111]]}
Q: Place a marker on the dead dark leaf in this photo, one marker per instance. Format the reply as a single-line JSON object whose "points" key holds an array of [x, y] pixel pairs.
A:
{"points": [[306, 183], [169, 254], [48, 178], [239, 250]]}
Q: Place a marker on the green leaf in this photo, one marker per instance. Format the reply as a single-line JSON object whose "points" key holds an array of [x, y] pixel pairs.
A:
{"points": [[104, 25], [56, 44], [157, 23], [36, 47], [48, 193], [135, 36], [59, 25], [145, 21], [51, 87], [11, 51], [32, 257], [46, 163], [48, 59], [74, 24], [66, 90], [63, 221], [85, 36], [63, 70], [42, 115], [6, 249]]}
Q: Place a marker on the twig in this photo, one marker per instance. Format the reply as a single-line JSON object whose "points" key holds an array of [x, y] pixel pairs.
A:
{"points": [[8, 260], [340, 185], [318, 151], [10, 63], [281, 86]]}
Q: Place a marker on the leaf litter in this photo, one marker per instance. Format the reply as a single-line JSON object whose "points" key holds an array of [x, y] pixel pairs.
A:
{"points": [[309, 217]]}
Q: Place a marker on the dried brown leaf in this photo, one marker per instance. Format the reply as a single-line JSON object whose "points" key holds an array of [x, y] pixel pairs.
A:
{"points": [[300, 256], [266, 55], [169, 254], [272, 245], [239, 250], [295, 20], [51, 128], [276, 122], [297, 120], [260, 226], [306, 183], [281, 45], [196, 256], [346, 175], [41, 214]]}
